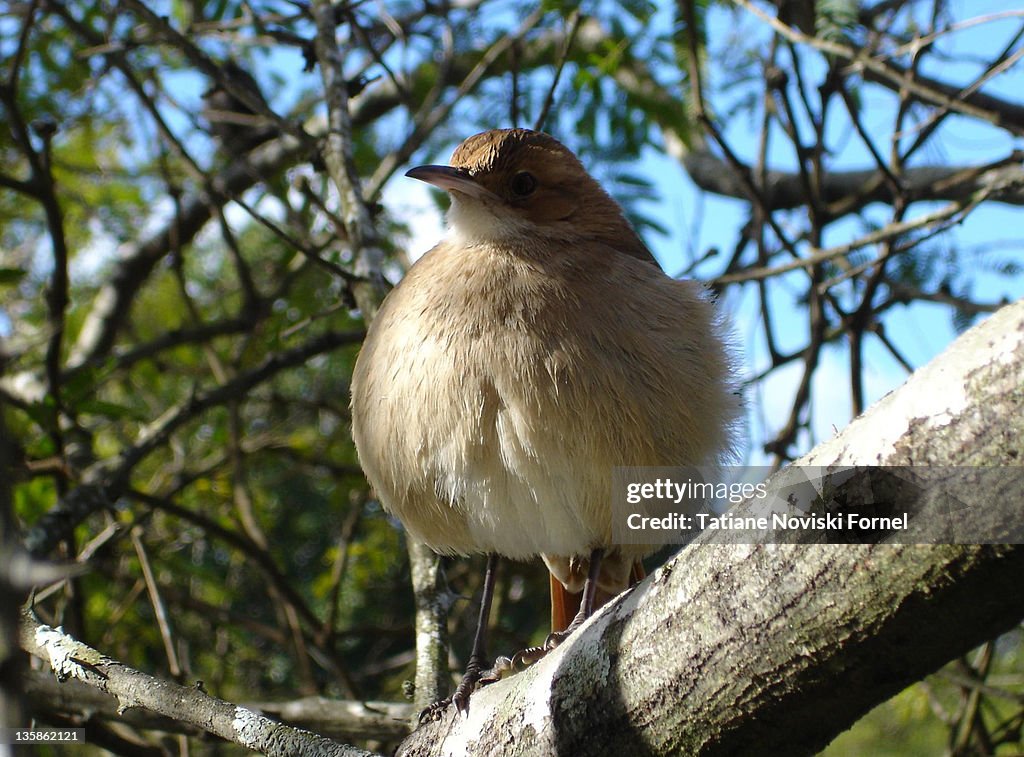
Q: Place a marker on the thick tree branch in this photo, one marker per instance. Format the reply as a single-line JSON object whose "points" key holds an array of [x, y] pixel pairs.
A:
{"points": [[773, 649], [335, 718]]}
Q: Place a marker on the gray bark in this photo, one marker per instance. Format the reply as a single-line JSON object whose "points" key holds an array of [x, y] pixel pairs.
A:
{"points": [[71, 659]]}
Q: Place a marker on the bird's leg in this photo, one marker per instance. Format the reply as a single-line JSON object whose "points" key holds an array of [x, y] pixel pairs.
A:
{"points": [[586, 604], [476, 656], [474, 671], [504, 666], [589, 592]]}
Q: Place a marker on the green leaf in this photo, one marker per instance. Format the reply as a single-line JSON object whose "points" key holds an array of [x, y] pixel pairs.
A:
{"points": [[111, 410], [11, 276]]}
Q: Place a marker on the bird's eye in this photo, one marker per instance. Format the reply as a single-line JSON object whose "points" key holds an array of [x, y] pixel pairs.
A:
{"points": [[523, 184]]}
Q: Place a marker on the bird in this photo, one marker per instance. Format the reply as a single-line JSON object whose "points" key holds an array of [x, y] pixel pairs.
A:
{"points": [[535, 348]]}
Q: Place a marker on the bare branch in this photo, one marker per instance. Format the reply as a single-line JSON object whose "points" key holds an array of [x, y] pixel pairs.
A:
{"points": [[70, 658], [892, 75]]}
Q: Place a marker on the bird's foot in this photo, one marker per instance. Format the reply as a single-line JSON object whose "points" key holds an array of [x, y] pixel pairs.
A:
{"points": [[506, 666], [555, 638], [473, 678], [503, 667], [433, 712]]}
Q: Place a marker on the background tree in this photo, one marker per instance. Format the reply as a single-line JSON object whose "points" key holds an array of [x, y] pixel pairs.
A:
{"points": [[198, 207]]}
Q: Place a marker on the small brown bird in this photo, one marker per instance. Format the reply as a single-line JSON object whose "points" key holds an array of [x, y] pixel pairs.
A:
{"points": [[535, 348]]}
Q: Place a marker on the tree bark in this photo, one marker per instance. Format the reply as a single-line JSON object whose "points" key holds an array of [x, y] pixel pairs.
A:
{"points": [[71, 659], [852, 190]]}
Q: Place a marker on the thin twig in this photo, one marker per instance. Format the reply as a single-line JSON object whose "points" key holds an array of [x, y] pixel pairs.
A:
{"points": [[574, 24], [159, 609], [860, 59], [954, 212]]}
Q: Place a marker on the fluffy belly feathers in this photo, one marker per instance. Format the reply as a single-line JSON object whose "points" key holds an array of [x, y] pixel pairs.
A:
{"points": [[484, 466], [486, 424]]}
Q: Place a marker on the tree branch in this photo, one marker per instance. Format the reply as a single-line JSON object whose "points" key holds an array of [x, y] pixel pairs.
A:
{"points": [[895, 77], [783, 190], [337, 718], [339, 157], [70, 658], [109, 309], [954, 212]]}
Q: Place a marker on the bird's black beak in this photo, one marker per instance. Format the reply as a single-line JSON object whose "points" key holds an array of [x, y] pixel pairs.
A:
{"points": [[451, 180]]}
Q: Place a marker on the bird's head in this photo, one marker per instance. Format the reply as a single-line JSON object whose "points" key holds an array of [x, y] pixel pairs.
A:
{"points": [[508, 185]]}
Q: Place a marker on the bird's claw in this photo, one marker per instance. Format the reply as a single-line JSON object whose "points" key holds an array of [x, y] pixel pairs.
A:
{"points": [[503, 667], [473, 679], [531, 655], [433, 712], [555, 638]]}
